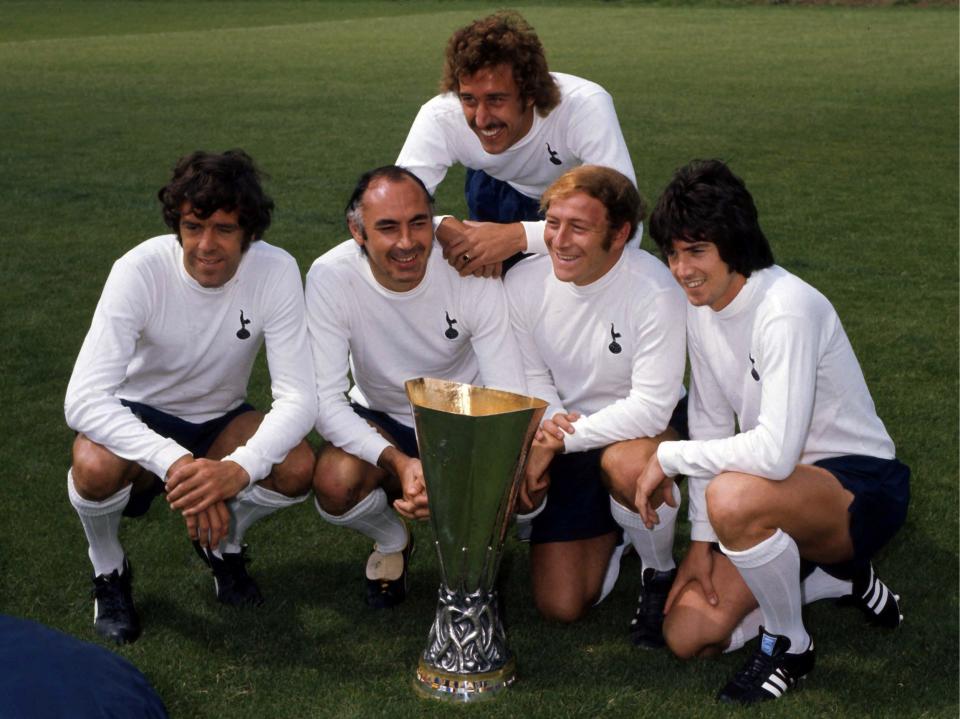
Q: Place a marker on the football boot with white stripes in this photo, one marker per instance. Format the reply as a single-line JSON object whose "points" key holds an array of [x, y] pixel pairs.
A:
{"points": [[874, 598], [769, 673]]}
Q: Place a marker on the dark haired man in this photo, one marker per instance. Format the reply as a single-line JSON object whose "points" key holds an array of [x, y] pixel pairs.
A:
{"points": [[157, 395], [601, 331], [516, 127], [384, 308], [810, 481]]}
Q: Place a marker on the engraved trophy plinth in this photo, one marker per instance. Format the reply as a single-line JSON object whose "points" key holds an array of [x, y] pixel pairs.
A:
{"points": [[473, 445]]}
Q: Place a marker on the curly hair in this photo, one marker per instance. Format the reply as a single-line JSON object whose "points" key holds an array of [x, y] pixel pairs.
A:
{"points": [[502, 38], [210, 182], [613, 189], [706, 202]]}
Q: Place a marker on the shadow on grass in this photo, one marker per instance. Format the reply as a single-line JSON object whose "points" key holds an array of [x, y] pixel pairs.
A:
{"points": [[315, 630]]}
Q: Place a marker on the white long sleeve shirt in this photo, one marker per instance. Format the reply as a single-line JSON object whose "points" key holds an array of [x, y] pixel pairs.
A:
{"points": [[777, 361], [161, 339], [448, 327], [612, 350], [582, 129]]}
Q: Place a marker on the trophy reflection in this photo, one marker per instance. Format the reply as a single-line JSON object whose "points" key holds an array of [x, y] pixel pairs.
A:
{"points": [[473, 446]]}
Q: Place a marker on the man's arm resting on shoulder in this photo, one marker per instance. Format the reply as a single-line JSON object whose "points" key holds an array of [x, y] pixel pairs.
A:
{"points": [[479, 247]]}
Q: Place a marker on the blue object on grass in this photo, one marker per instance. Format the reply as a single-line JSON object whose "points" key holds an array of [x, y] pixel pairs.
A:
{"points": [[49, 674]]}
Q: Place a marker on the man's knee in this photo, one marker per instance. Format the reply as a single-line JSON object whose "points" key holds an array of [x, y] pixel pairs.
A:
{"points": [[730, 504], [621, 462], [97, 472], [338, 480], [566, 577], [566, 606], [690, 634], [293, 476]]}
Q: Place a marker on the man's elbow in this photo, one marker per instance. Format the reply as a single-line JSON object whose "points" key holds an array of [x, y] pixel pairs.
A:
{"points": [[73, 412]]}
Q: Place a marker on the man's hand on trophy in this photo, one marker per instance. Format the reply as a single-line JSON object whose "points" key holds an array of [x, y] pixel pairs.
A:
{"points": [[413, 504]]}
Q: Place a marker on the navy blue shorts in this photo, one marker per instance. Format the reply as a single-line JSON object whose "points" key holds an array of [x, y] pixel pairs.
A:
{"points": [[578, 502], [881, 494], [493, 200], [404, 437], [197, 438]]}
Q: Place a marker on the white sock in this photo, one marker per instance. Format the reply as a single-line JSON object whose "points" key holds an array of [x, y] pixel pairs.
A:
{"points": [[655, 546], [249, 506], [771, 570], [613, 569], [373, 518], [101, 524], [746, 630], [820, 585]]}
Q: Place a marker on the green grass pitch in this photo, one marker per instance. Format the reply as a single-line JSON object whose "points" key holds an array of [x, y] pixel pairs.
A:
{"points": [[842, 120]]}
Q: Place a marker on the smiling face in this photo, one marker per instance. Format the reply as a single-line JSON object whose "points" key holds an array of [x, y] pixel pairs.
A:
{"points": [[397, 232], [582, 245], [212, 247], [703, 275], [494, 108]]}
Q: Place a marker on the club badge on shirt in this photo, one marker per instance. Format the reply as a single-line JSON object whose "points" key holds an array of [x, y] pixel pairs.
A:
{"points": [[451, 333], [614, 346], [243, 333], [554, 155]]}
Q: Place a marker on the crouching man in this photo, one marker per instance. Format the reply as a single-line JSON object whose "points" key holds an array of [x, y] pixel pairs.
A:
{"points": [[810, 480], [601, 328], [157, 395], [385, 307]]}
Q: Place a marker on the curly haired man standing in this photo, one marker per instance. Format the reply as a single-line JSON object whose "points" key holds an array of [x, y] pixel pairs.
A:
{"points": [[516, 127]]}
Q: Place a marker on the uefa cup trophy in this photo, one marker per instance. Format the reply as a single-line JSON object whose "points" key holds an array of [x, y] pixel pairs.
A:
{"points": [[473, 446]]}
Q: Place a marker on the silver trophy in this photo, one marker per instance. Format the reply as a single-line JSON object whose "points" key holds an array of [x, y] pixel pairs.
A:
{"points": [[473, 446]]}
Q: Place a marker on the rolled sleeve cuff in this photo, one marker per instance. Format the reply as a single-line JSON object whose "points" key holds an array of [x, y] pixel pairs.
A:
{"points": [[372, 448], [575, 442], [255, 466], [666, 455], [160, 463], [535, 242]]}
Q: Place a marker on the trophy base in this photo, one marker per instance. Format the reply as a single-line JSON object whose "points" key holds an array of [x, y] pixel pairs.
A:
{"points": [[435, 683]]}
